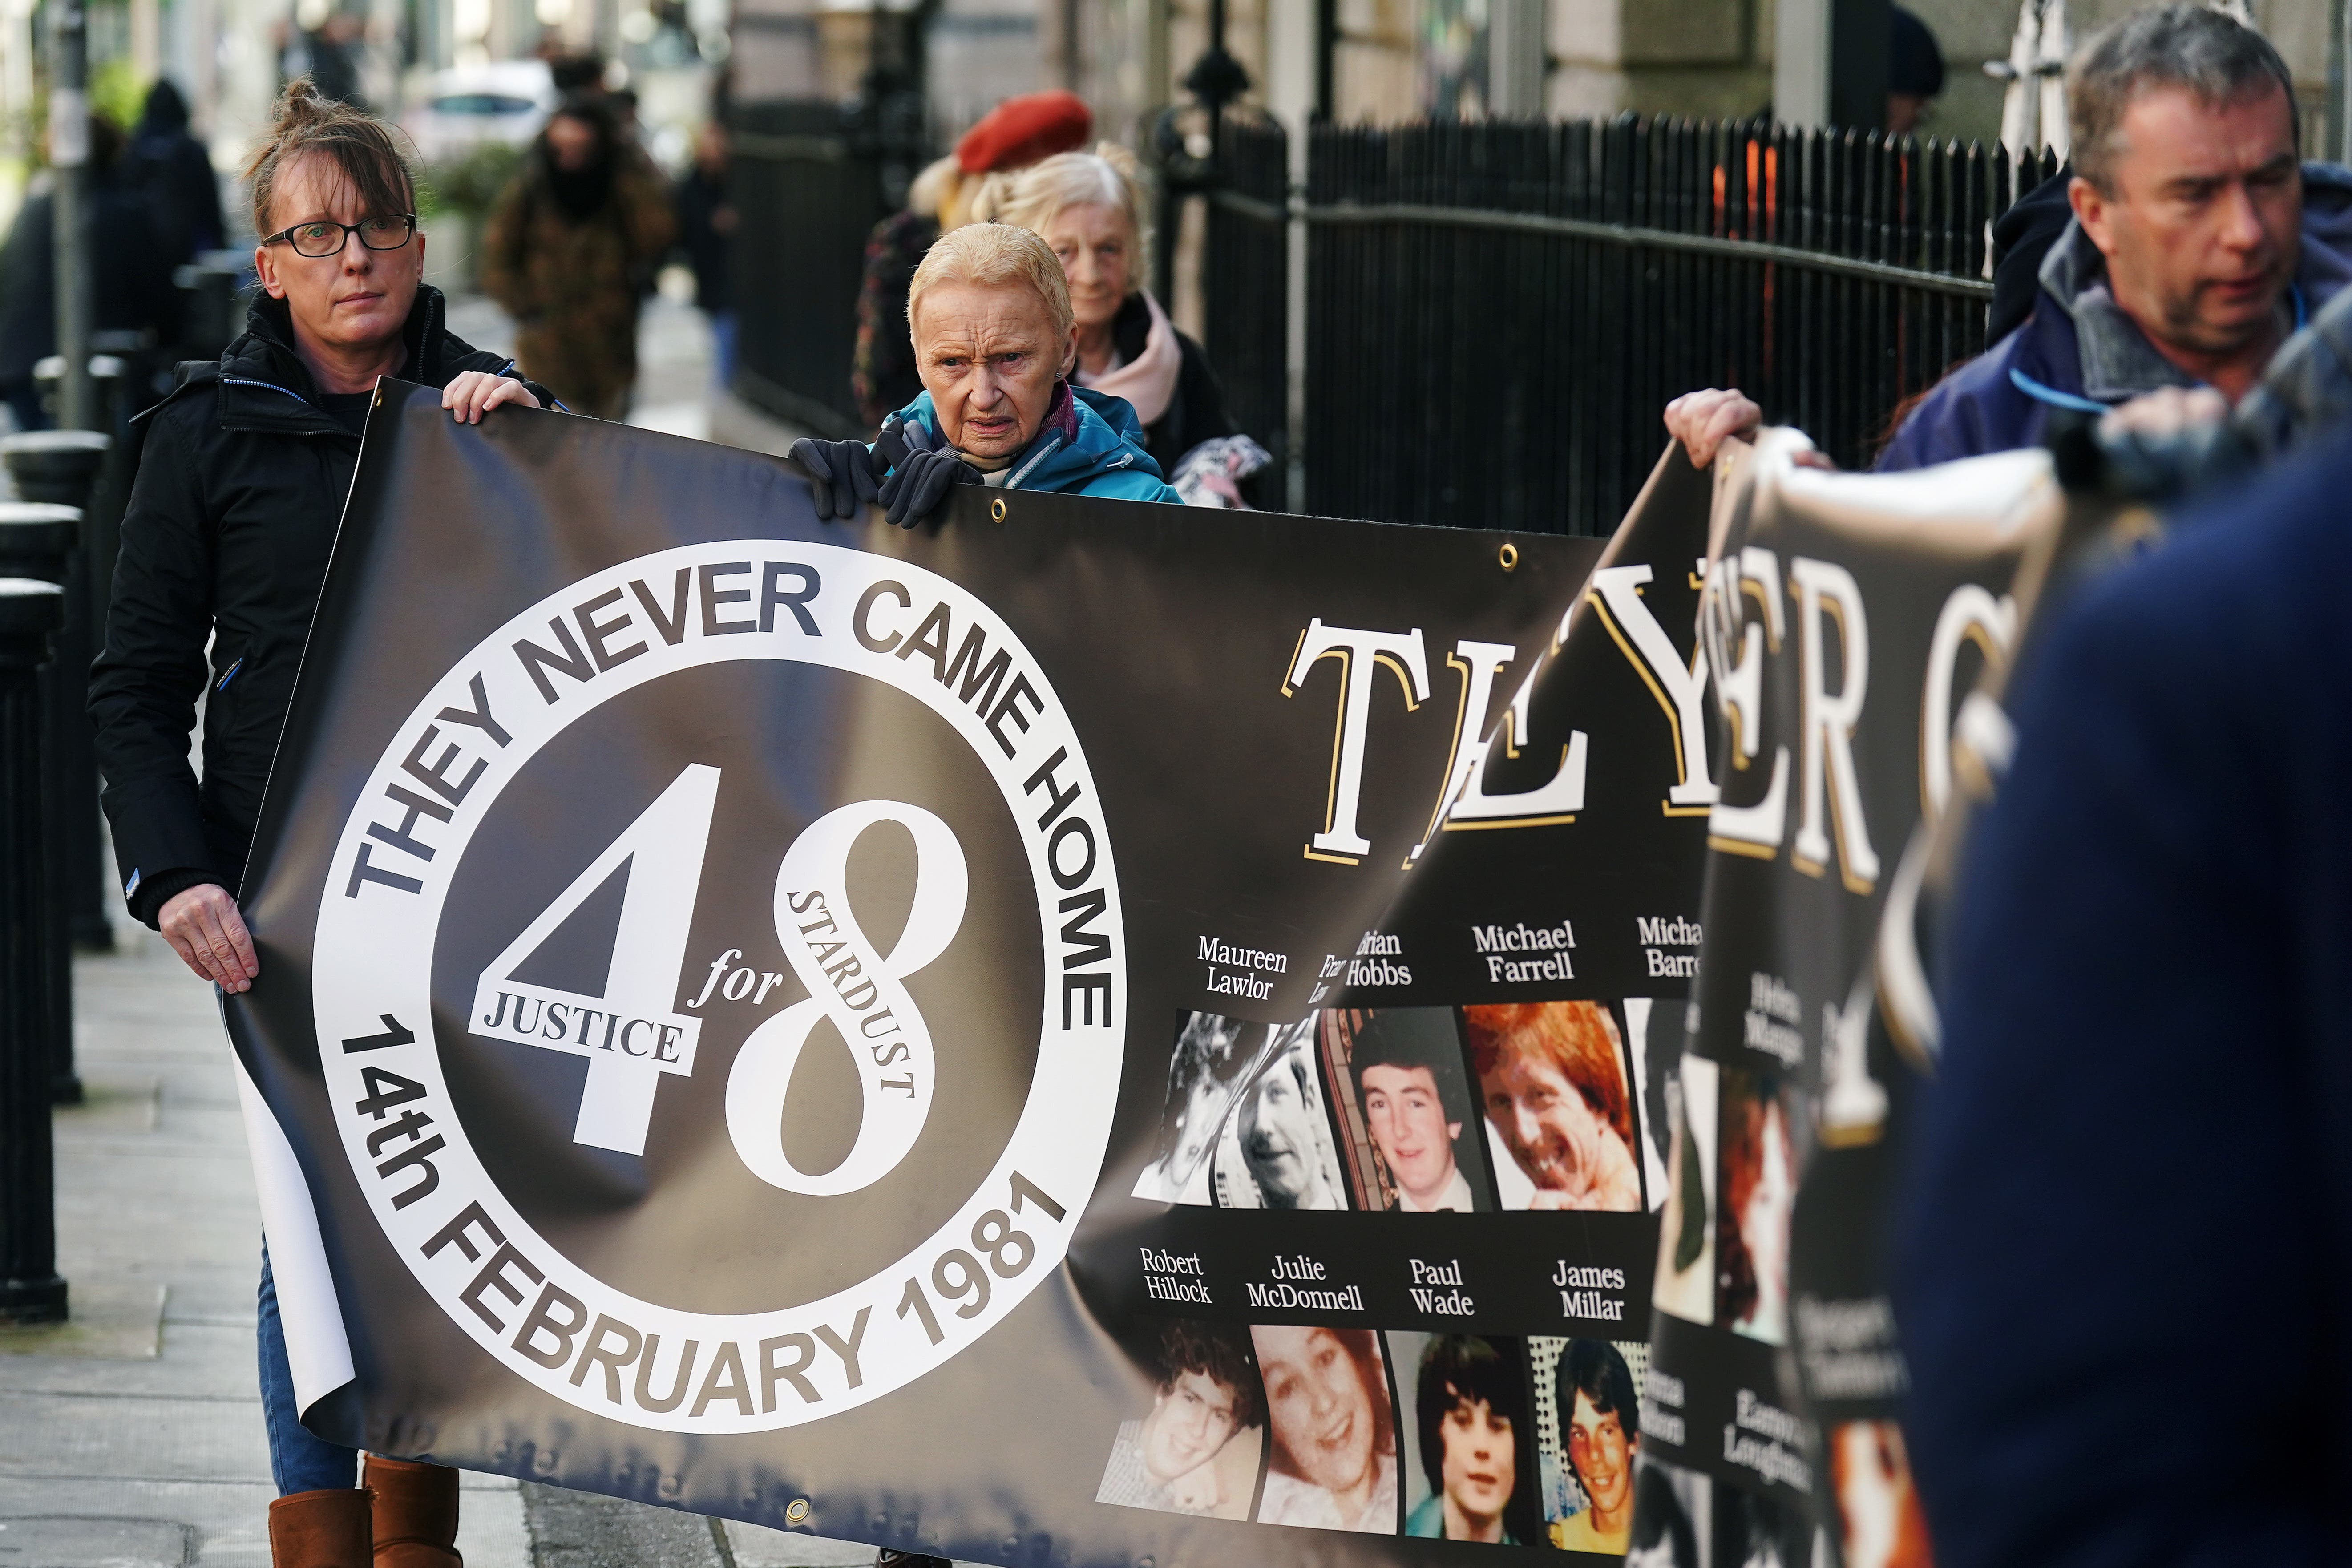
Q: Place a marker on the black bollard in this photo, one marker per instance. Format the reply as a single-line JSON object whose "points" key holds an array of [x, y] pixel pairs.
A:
{"points": [[62, 468], [115, 367], [123, 394], [56, 466], [38, 541], [31, 1290]]}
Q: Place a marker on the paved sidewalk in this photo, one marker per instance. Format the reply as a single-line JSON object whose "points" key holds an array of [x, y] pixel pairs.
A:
{"points": [[133, 1435]]}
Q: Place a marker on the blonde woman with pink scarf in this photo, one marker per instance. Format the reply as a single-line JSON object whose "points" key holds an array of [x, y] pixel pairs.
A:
{"points": [[1090, 208]]}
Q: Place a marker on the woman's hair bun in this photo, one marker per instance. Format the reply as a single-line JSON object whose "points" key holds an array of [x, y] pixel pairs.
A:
{"points": [[299, 101], [362, 148]]}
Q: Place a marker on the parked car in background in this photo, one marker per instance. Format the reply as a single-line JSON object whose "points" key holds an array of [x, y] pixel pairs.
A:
{"points": [[466, 106]]}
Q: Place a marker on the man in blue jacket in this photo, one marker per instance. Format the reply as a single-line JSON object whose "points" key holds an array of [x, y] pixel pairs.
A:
{"points": [[994, 340], [2123, 1278], [2198, 244]]}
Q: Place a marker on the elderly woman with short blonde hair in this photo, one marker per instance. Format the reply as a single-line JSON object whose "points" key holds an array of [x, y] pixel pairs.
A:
{"points": [[995, 341], [1090, 208]]}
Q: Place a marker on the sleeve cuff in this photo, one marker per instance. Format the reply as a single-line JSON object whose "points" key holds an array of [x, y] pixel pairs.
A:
{"points": [[147, 895]]}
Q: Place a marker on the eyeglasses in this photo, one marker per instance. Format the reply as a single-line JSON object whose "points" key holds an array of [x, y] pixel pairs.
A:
{"points": [[323, 238]]}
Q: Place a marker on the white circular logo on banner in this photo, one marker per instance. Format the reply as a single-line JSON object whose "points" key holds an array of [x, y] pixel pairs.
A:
{"points": [[520, 1298]]}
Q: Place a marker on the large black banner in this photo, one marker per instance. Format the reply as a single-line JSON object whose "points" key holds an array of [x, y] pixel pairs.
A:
{"points": [[1088, 1033], [1857, 625]]}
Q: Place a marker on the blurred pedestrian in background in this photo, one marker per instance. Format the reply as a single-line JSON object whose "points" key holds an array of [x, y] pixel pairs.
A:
{"points": [[630, 135], [569, 247], [571, 73], [131, 274], [1090, 207], [327, 54], [706, 224], [623, 103], [173, 173], [1011, 136], [1915, 74]]}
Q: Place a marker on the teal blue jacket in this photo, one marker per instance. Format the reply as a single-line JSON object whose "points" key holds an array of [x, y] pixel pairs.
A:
{"points": [[1093, 448]]}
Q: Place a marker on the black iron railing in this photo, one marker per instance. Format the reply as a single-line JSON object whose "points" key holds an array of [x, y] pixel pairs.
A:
{"points": [[1244, 282], [809, 190], [1497, 313]]}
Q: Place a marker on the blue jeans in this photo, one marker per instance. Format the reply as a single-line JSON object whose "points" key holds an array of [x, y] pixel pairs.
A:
{"points": [[299, 1459], [722, 348]]}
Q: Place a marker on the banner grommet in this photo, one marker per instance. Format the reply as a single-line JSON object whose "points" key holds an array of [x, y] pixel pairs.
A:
{"points": [[1510, 556], [996, 510]]}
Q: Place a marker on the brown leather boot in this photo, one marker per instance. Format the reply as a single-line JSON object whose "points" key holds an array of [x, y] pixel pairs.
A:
{"points": [[414, 1509], [319, 1530]]}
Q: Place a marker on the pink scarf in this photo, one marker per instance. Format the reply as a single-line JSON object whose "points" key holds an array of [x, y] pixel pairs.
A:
{"points": [[1149, 380]]}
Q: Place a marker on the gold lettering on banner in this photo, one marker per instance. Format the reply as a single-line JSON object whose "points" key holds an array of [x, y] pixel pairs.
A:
{"points": [[1360, 653]]}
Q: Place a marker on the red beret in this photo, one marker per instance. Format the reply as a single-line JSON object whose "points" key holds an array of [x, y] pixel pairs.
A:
{"points": [[1020, 131]]}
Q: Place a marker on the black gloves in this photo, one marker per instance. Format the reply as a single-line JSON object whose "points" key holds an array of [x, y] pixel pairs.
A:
{"points": [[920, 481], [920, 477], [843, 472]]}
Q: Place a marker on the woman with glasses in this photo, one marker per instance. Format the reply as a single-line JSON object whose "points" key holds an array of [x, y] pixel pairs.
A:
{"points": [[239, 489]]}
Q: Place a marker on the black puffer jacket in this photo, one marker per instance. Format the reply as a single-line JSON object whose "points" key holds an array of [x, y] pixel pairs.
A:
{"points": [[239, 491]]}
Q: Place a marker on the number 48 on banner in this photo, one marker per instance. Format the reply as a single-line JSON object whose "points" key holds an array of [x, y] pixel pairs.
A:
{"points": [[632, 1033]]}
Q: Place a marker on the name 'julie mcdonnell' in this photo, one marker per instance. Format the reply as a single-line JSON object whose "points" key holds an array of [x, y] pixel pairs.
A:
{"points": [[1286, 1297]]}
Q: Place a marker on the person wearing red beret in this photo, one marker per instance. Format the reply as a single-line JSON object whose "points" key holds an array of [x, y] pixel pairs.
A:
{"points": [[1025, 130], [1011, 136]]}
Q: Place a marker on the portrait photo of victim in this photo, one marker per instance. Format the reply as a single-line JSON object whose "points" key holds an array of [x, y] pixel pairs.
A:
{"points": [[1758, 1529], [1653, 1033], [1759, 1195], [1551, 1080], [1470, 1448], [1405, 1110], [1596, 1417], [1333, 1465], [1277, 1150], [1685, 1284], [1880, 1524], [1673, 1523], [1198, 1450], [1210, 1061]]}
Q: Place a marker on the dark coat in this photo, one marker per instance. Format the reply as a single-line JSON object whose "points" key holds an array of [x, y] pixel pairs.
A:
{"points": [[1982, 407], [882, 371], [239, 490], [175, 176], [2122, 1280], [173, 173], [1197, 412], [130, 277], [572, 284], [2021, 238], [2002, 399]]}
